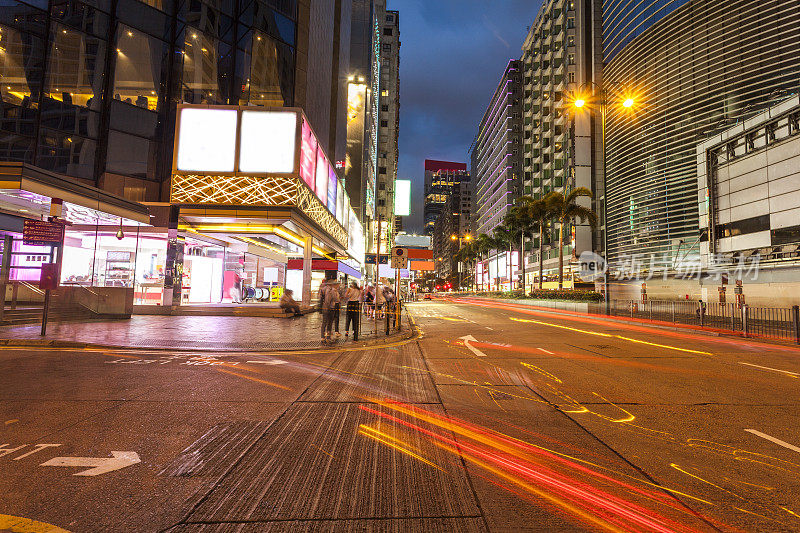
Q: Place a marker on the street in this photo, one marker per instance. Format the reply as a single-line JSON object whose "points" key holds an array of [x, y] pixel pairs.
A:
{"points": [[499, 417]]}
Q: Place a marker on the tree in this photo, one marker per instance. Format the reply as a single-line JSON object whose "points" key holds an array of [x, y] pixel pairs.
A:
{"points": [[508, 234], [483, 245], [467, 253], [519, 219], [566, 209], [537, 211]]}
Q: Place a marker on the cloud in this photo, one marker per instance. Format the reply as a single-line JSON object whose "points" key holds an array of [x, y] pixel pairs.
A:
{"points": [[452, 56]]}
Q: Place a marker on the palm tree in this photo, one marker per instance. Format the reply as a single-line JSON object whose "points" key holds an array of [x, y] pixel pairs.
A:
{"points": [[538, 211], [509, 233], [483, 245], [467, 253], [565, 209], [519, 219]]}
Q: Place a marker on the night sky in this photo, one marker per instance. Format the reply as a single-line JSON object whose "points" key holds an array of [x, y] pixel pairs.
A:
{"points": [[452, 55]]}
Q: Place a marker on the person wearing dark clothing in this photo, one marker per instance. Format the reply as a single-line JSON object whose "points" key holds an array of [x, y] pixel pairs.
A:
{"points": [[289, 304]]}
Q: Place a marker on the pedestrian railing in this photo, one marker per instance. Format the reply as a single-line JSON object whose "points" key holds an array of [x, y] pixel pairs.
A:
{"points": [[366, 319], [771, 322]]}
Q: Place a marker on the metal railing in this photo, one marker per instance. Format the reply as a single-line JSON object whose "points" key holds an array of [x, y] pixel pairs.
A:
{"points": [[781, 323], [366, 319]]}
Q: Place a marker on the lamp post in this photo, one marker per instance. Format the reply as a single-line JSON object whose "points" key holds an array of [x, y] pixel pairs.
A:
{"points": [[579, 103], [460, 240]]}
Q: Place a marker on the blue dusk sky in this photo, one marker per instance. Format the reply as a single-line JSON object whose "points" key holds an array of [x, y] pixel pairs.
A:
{"points": [[452, 55]]}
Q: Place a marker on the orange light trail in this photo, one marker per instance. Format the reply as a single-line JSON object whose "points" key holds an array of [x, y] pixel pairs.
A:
{"points": [[541, 480]]}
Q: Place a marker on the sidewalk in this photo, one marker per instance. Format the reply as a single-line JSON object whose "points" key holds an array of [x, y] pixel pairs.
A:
{"points": [[193, 332]]}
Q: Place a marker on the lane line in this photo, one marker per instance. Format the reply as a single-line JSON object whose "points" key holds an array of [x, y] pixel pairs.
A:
{"points": [[792, 374], [545, 351], [779, 442]]}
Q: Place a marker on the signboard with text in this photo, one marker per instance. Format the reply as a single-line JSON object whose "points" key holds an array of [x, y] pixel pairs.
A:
{"points": [[42, 233]]}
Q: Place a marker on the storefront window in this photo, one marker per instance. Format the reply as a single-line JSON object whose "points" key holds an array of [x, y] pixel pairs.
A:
{"points": [[77, 268], [151, 258]]}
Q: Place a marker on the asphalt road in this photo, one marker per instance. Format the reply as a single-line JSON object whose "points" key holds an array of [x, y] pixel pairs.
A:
{"points": [[500, 418]]}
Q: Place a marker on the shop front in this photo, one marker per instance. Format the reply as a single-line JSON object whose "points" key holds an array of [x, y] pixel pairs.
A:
{"points": [[251, 192], [103, 235]]}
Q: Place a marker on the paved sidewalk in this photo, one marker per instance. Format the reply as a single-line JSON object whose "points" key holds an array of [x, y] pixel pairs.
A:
{"points": [[193, 332]]}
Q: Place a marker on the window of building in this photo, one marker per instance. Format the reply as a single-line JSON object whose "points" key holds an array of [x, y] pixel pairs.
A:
{"points": [[571, 77], [201, 69], [264, 72], [570, 22], [387, 47], [381, 170], [384, 123], [390, 17], [571, 59], [384, 107], [74, 76], [387, 31], [384, 93], [20, 67], [570, 41], [139, 69]]}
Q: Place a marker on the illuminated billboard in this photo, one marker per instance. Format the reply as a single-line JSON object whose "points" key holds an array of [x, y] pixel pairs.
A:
{"points": [[402, 198], [322, 178], [280, 162], [308, 155], [207, 140], [332, 190], [267, 142]]}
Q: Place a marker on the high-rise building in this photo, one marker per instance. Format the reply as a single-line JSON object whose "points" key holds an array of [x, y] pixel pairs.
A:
{"points": [[389, 124], [93, 96], [361, 164], [693, 69], [496, 152], [559, 153], [452, 228], [440, 176]]}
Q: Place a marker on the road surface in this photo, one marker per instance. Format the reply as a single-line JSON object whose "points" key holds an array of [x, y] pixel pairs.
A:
{"points": [[499, 418]]}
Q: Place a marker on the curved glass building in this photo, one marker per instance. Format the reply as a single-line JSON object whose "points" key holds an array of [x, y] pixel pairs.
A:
{"points": [[693, 68]]}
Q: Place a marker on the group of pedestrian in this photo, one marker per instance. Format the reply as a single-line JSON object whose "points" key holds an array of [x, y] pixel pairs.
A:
{"points": [[334, 295]]}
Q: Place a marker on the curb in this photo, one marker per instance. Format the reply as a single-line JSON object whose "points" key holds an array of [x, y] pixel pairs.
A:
{"points": [[411, 331]]}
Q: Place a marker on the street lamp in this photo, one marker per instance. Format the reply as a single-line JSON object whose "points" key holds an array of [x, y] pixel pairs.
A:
{"points": [[579, 103]]}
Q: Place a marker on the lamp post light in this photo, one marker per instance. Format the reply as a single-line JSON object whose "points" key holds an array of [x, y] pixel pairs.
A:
{"points": [[460, 240], [579, 103]]}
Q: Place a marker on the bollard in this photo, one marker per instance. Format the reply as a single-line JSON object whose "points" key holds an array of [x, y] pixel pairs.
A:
{"points": [[745, 324], [796, 320]]}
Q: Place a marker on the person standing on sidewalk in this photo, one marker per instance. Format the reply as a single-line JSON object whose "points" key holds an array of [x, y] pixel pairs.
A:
{"points": [[353, 299], [330, 299]]}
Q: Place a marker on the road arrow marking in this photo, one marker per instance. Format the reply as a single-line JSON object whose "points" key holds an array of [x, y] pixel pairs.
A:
{"points": [[467, 339], [770, 438], [101, 465]]}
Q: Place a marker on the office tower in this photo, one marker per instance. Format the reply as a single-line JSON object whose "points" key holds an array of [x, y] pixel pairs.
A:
{"points": [[389, 123], [439, 179]]}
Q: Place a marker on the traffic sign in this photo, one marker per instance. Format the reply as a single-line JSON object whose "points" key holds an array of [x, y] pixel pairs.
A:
{"points": [[399, 257], [369, 259]]}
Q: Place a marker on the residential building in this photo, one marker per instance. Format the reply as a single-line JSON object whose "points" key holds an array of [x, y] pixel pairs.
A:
{"points": [[440, 176], [389, 124], [695, 70], [559, 154], [496, 152]]}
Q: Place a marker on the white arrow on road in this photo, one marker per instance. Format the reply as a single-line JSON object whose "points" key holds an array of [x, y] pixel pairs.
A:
{"points": [[467, 339], [101, 465]]}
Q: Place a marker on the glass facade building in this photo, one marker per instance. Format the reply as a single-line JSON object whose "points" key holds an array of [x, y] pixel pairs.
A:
{"points": [[693, 70], [89, 89]]}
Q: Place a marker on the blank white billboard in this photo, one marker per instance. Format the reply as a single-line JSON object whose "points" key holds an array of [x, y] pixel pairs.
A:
{"points": [[267, 142], [207, 140], [402, 198]]}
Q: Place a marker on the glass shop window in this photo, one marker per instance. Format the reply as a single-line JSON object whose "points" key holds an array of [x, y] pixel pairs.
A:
{"points": [[75, 69]]}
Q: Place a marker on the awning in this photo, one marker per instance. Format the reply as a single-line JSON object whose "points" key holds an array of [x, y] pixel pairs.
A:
{"points": [[324, 264], [22, 183]]}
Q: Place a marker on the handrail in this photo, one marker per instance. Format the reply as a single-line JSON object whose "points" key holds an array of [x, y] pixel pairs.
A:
{"points": [[34, 288]]}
